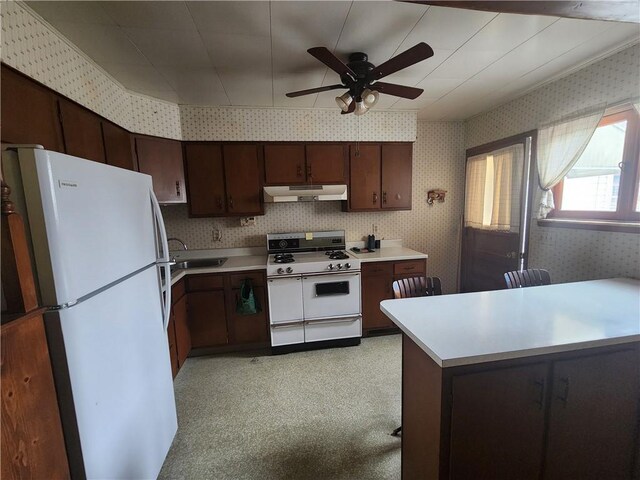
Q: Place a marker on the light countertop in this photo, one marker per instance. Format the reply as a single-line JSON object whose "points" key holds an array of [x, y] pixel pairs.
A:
{"points": [[388, 254], [472, 328], [233, 264]]}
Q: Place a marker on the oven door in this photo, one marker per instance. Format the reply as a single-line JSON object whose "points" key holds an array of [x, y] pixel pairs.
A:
{"points": [[331, 295]]}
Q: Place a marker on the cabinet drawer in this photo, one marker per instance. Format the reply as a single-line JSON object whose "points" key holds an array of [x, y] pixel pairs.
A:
{"points": [[257, 279], [205, 282], [409, 266], [377, 268], [177, 292]]}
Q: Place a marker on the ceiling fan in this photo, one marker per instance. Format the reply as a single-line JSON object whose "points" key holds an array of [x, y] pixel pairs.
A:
{"points": [[361, 77]]}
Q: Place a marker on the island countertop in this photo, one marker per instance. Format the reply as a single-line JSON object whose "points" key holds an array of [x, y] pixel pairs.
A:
{"points": [[472, 328]]}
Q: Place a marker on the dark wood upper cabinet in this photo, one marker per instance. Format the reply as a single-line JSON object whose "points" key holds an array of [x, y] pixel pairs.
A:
{"points": [[205, 179], [162, 159], [396, 176], [364, 175], [29, 112], [82, 132], [326, 163], [243, 171], [118, 146], [284, 164]]}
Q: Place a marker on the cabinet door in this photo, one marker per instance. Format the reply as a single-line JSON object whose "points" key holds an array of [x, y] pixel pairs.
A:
{"points": [[29, 112], [207, 319], [183, 337], [376, 287], [396, 176], [242, 175], [326, 164], [82, 132], [118, 147], [364, 177], [162, 159], [249, 328], [497, 423], [205, 176], [594, 417], [284, 164]]}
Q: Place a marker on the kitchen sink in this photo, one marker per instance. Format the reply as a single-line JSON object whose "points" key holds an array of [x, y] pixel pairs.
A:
{"points": [[199, 263]]}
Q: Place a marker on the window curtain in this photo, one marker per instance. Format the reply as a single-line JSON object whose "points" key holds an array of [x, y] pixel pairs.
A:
{"points": [[492, 190], [559, 147]]}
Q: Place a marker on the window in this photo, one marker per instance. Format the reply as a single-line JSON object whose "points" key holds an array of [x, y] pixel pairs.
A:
{"points": [[604, 182]]}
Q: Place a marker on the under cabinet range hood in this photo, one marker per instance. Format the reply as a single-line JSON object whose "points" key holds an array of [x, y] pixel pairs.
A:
{"points": [[305, 193]]}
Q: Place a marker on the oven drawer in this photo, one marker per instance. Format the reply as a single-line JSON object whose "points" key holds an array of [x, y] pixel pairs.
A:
{"points": [[332, 328], [332, 295], [287, 333]]}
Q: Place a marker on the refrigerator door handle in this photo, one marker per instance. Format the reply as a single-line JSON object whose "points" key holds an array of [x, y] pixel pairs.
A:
{"points": [[163, 260], [157, 213], [166, 308]]}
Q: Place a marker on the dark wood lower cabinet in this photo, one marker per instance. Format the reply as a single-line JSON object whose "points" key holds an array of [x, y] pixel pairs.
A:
{"points": [[183, 336], [252, 328], [376, 285], [207, 319], [569, 415], [173, 351]]}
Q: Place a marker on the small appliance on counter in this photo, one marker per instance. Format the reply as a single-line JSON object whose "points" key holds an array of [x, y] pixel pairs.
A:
{"points": [[371, 243]]}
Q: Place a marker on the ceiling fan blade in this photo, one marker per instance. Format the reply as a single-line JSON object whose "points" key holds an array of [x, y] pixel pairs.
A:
{"points": [[415, 54], [330, 60], [396, 90], [352, 107], [299, 93]]}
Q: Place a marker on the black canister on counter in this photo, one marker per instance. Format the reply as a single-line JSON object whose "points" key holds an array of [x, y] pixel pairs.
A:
{"points": [[371, 242]]}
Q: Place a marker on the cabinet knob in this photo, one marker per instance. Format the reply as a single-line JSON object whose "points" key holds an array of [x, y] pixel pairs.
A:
{"points": [[565, 394], [299, 171], [230, 201], [375, 198], [384, 197], [178, 188]]}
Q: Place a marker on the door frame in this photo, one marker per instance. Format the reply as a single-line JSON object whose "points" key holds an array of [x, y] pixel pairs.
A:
{"points": [[529, 139]]}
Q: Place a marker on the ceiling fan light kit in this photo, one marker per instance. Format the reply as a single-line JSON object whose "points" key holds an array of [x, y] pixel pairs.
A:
{"points": [[344, 101], [360, 77]]}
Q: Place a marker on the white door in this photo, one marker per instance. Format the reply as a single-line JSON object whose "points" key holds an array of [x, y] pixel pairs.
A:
{"points": [[91, 224], [119, 374], [285, 299]]}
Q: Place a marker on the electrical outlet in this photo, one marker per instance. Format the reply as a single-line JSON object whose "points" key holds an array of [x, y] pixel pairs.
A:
{"points": [[216, 235], [248, 222], [374, 229]]}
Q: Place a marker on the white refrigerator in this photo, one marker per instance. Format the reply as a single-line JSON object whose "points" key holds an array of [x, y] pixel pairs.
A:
{"points": [[99, 244]]}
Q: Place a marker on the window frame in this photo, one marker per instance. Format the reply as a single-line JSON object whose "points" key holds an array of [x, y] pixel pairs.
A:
{"points": [[629, 177]]}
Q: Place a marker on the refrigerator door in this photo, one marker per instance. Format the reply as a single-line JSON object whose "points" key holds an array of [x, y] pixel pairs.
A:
{"points": [[113, 374], [91, 224]]}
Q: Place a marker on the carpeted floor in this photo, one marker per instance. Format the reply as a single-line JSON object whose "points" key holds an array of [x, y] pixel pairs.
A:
{"points": [[324, 414]]}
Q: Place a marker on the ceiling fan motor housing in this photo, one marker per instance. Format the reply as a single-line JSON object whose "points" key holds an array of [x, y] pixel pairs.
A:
{"points": [[358, 62]]}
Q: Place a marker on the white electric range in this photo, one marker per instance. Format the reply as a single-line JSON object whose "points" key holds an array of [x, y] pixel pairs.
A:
{"points": [[314, 291]]}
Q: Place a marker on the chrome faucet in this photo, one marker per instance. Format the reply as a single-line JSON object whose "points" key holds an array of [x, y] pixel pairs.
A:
{"points": [[184, 245]]}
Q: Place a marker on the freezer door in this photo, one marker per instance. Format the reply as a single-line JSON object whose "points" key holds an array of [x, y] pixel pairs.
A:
{"points": [[113, 375], [91, 224]]}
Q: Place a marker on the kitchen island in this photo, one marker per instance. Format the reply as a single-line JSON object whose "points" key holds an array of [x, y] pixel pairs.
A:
{"points": [[541, 382]]}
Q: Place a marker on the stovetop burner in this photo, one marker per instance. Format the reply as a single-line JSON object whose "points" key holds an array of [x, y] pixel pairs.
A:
{"points": [[283, 258], [336, 255]]}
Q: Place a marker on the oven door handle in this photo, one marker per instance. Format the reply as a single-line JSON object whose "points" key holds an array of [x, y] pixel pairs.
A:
{"points": [[335, 274], [348, 318], [287, 324]]}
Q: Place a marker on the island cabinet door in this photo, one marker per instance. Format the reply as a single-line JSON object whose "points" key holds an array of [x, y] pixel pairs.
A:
{"points": [[593, 417], [497, 423]]}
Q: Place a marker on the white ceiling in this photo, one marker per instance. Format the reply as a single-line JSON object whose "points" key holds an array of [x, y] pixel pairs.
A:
{"points": [[248, 53]]}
